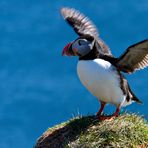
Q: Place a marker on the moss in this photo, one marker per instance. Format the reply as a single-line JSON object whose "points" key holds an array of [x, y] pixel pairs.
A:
{"points": [[127, 130]]}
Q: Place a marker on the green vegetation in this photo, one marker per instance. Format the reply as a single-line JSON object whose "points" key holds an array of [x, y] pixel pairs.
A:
{"points": [[127, 130]]}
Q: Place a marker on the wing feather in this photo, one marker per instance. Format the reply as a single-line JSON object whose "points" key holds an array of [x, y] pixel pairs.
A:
{"points": [[81, 24], [134, 58]]}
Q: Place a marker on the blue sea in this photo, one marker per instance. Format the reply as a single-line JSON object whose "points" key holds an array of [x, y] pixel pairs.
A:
{"points": [[38, 87]]}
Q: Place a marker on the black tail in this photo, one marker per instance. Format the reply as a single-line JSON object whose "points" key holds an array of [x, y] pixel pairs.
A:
{"points": [[137, 100], [130, 96], [134, 98]]}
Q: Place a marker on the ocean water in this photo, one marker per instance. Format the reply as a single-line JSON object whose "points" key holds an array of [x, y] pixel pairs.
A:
{"points": [[38, 87]]}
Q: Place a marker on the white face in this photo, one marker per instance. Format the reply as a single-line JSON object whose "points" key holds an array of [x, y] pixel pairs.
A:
{"points": [[82, 46]]}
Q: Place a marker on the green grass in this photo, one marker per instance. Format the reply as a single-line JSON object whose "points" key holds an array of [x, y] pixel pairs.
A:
{"points": [[127, 130]]}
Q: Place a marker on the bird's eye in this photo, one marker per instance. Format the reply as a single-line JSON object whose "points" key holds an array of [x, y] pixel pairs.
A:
{"points": [[81, 42]]}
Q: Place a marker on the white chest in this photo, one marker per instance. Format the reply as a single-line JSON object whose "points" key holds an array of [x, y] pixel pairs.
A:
{"points": [[101, 79]]}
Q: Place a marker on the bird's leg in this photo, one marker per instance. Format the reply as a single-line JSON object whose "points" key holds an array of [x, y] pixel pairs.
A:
{"points": [[101, 109], [116, 113]]}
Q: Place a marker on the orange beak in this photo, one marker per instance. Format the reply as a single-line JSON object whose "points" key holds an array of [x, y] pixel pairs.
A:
{"points": [[66, 50]]}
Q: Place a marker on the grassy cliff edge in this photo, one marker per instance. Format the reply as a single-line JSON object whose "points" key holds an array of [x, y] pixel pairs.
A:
{"points": [[127, 130]]}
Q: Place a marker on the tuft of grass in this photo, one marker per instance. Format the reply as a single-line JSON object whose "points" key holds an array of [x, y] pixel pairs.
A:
{"points": [[127, 130]]}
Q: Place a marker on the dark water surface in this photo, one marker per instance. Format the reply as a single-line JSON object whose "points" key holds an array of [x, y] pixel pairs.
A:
{"points": [[38, 87]]}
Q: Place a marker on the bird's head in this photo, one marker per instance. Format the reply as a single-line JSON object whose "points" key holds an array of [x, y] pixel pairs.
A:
{"points": [[79, 47]]}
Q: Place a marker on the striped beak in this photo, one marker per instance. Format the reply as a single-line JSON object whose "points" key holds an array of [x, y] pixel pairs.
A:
{"points": [[66, 50]]}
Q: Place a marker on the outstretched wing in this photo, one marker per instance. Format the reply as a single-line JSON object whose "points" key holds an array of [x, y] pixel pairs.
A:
{"points": [[83, 26], [134, 58]]}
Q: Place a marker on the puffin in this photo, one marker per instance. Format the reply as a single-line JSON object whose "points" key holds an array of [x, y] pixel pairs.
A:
{"points": [[98, 70]]}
